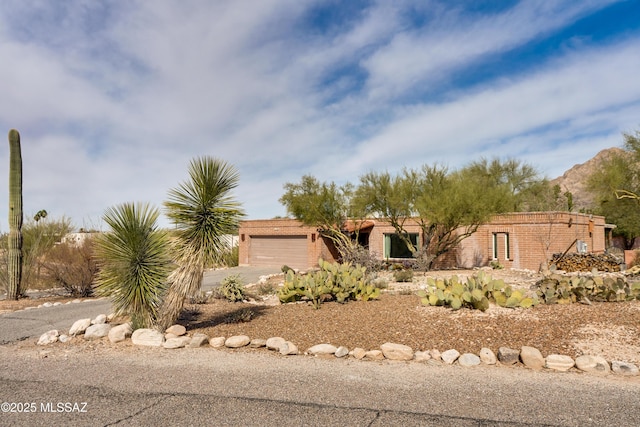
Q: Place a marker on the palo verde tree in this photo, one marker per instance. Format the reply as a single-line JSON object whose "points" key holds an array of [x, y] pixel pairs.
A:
{"points": [[615, 185], [449, 206], [325, 206]]}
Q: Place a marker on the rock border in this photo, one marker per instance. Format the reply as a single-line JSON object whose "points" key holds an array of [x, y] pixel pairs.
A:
{"points": [[176, 337]]}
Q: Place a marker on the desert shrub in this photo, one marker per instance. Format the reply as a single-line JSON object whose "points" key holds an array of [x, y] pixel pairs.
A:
{"points": [[231, 257], [71, 266], [379, 282], [232, 289], [403, 275], [423, 260], [243, 315], [39, 237], [496, 265], [200, 298], [267, 288], [359, 255]]}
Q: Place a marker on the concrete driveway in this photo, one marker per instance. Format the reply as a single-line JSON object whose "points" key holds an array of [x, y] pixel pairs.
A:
{"points": [[248, 275]]}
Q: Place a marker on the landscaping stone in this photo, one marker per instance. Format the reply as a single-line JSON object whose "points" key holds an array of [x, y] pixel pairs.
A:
{"points": [[393, 351], [320, 349], [274, 343], [624, 368], [79, 326], [99, 319], [559, 362], [288, 349], [450, 356], [217, 342], [177, 342], [96, 331], [64, 338], [373, 355], [48, 337], [435, 354], [359, 353], [487, 356], [147, 337], [593, 364], [177, 330], [257, 343], [508, 356], [237, 341], [421, 356], [531, 357], [341, 351], [198, 340], [468, 359], [120, 333]]}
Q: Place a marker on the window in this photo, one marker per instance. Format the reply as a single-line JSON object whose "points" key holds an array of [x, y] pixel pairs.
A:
{"points": [[395, 247], [501, 246]]}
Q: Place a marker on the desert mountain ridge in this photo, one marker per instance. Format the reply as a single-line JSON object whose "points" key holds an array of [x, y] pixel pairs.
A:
{"points": [[575, 179]]}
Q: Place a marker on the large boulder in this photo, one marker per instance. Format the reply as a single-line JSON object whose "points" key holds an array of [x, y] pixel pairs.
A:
{"points": [[394, 351], [147, 337]]}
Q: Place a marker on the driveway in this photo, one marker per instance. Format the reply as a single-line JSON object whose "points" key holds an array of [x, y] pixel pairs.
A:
{"points": [[248, 275]]}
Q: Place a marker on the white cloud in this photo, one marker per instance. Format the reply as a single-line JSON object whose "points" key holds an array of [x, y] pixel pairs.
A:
{"points": [[113, 99]]}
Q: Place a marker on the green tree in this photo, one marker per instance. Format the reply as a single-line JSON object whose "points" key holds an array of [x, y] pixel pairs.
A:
{"points": [[326, 206], [448, 206], [203, 211], [615, 185], [134, 262], [391, 198]]}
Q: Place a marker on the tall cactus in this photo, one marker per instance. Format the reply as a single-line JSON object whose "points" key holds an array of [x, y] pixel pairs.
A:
{"points": [[15, 216]]}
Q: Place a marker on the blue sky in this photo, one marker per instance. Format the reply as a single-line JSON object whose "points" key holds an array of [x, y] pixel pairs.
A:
{"points": [[114, 98]]}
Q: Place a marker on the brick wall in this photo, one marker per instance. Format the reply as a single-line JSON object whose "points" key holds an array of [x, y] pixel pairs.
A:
{"points": [[316, 246], [523, 240], [533, 238]]}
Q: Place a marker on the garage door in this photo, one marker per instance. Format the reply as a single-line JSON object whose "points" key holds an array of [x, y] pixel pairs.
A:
{"points": [[278, 251]]}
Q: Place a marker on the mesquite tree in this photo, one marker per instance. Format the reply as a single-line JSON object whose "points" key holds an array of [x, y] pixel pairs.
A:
{"points": [[15, 216]]}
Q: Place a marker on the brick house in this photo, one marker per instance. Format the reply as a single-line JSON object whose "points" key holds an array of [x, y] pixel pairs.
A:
{"points": [[516, 240]]}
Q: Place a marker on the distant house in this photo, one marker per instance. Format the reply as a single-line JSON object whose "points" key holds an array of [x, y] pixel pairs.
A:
{"points": [[516, 240]]}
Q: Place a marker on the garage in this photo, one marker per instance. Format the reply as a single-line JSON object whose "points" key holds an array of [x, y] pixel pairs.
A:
{"points": [[278, 251]]}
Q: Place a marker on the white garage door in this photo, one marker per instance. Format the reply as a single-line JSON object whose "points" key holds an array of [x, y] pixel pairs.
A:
{"points": [[278, 251]]}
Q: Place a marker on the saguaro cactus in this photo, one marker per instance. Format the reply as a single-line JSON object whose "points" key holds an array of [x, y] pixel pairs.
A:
{"points": [[15, 216]]}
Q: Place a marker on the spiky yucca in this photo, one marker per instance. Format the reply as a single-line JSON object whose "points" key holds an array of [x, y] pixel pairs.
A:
{"points": [[203, 211], [135, 262]]}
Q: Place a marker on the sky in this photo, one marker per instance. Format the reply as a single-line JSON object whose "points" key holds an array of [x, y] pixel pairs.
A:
{"points": [[113, 99]]}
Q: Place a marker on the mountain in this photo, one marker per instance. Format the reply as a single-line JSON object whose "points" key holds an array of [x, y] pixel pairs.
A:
{"points": [[575, 179]]}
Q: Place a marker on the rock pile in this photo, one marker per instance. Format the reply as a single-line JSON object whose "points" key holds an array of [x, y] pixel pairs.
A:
{"points": [[176, 337]]}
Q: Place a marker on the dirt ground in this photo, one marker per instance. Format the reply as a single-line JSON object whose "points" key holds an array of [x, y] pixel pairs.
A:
{"points": [[610, 330]]}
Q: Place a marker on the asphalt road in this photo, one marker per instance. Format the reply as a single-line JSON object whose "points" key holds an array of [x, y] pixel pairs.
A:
{"points": [[132, 386]]}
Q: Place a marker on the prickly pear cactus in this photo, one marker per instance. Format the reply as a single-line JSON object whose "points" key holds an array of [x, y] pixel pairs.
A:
{"points": [[477, 293], [15, 216]]}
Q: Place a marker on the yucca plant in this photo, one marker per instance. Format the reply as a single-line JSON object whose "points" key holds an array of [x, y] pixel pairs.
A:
{"points": [[135, 261], [203, 211]]}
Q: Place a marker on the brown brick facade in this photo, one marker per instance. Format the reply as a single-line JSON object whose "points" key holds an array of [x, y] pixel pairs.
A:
{"points": [[518, 240]]}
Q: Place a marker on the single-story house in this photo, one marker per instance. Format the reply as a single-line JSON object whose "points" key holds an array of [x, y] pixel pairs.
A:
{"points": [[515, 240]]}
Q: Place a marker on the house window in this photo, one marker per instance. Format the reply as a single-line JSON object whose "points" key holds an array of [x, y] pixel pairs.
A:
{"points": [[395, 247], [501, 248]]}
